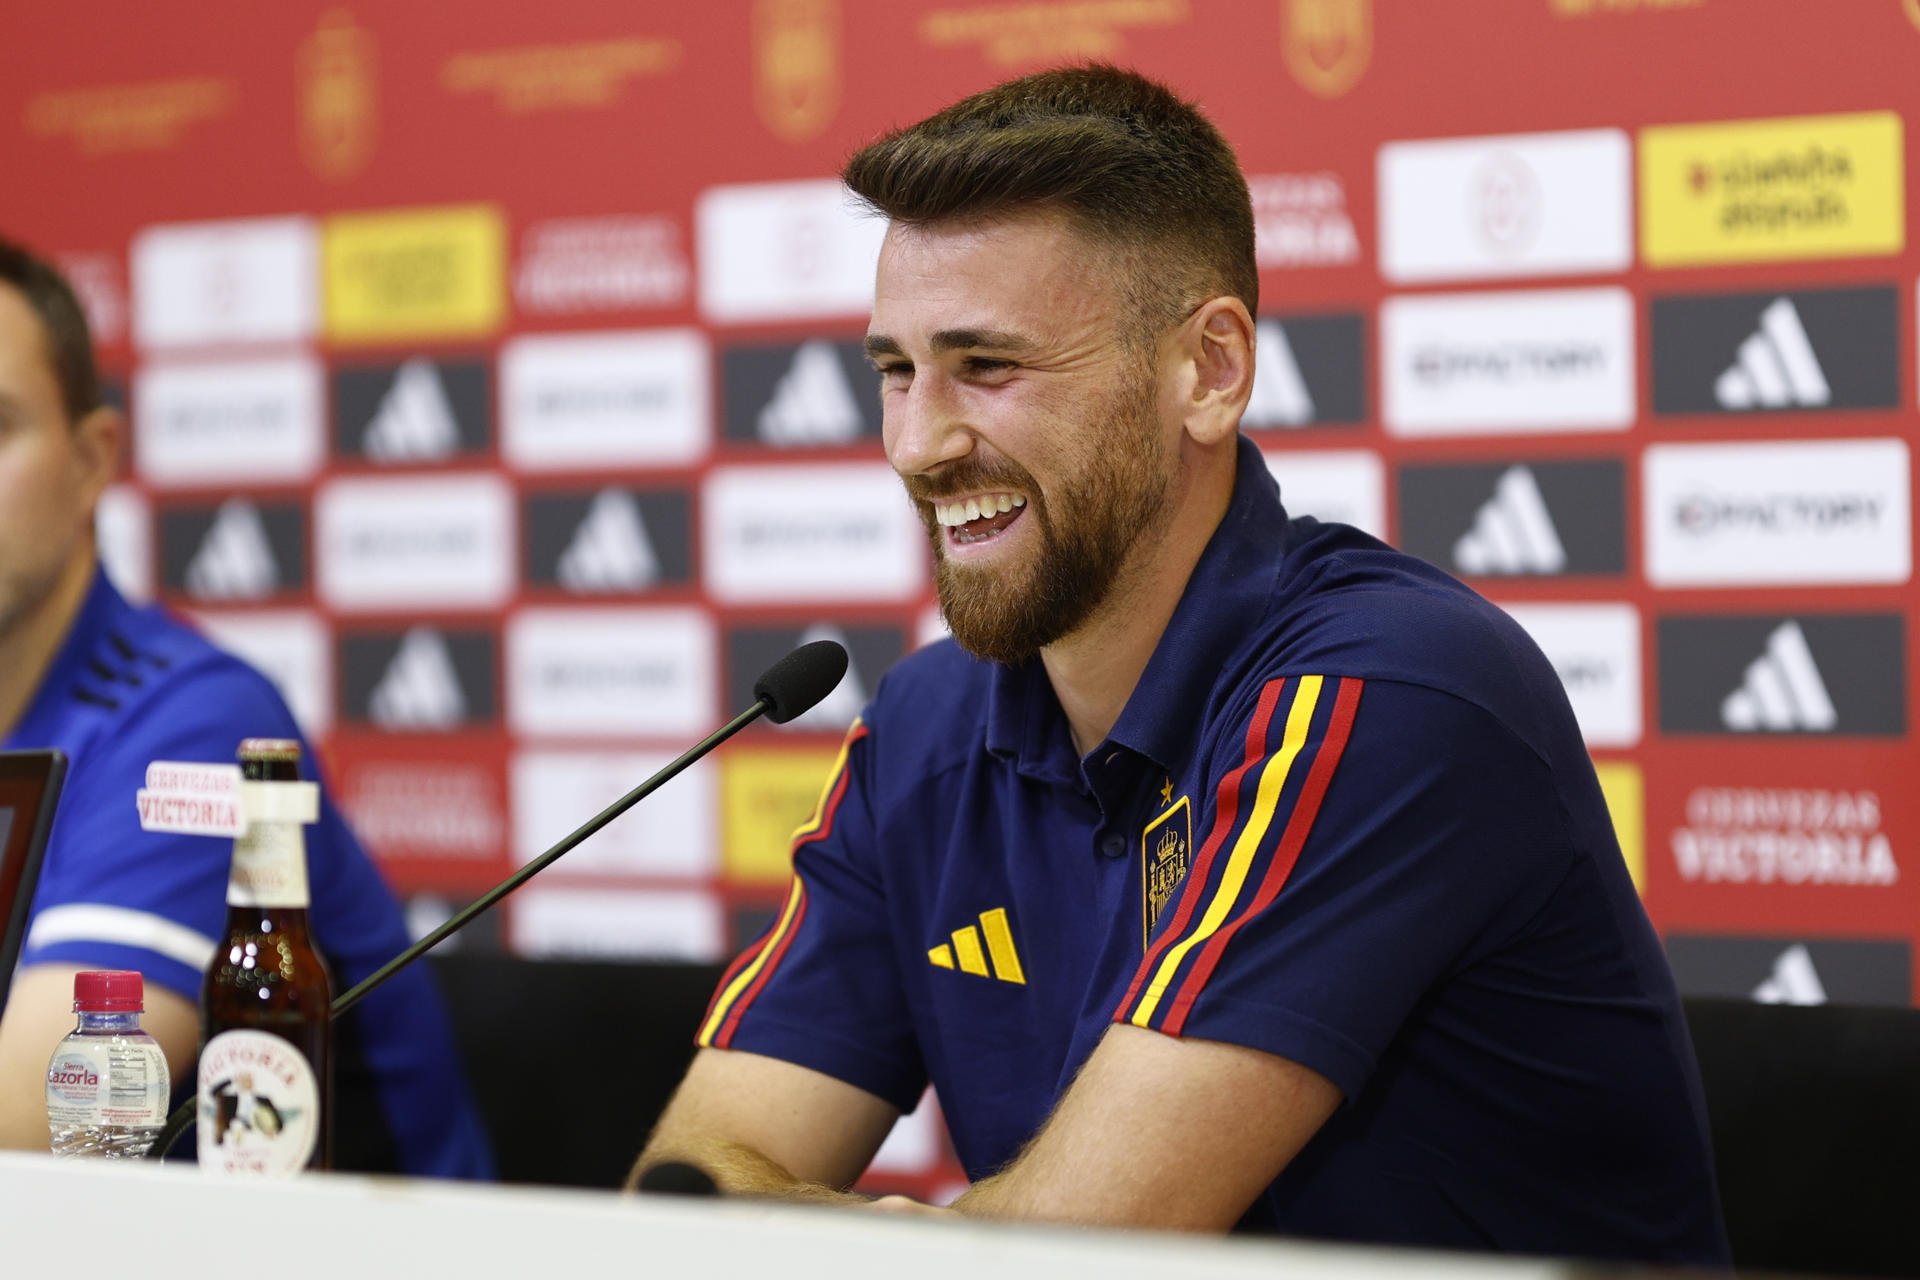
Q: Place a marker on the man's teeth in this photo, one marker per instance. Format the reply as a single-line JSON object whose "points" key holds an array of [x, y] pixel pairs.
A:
{"points": [[958, 513]]}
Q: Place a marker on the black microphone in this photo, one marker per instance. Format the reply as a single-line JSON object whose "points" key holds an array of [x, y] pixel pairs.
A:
{"points": [[791, 687], [676, 1179]]}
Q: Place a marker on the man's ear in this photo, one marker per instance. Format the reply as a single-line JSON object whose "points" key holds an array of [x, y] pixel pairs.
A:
{"points": [[1218, 341], [98, 440]]}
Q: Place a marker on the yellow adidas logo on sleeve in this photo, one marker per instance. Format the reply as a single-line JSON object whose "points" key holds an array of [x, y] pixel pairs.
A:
{"points": [[967, 953]]}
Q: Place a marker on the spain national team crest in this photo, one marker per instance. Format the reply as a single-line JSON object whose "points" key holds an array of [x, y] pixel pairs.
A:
{"points": [[1327, 43], [335, 73], [796, 51], [1166, 850]]}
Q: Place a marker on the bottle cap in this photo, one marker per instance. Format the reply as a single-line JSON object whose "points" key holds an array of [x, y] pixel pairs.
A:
{"points": [[109, 991], [269, 749]]}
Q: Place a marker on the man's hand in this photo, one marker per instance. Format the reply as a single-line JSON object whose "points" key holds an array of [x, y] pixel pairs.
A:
{"points": [[1161, 1132], [762, 1127], [39, 1014]]}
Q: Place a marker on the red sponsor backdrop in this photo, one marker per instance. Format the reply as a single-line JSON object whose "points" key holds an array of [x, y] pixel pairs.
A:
{"points": [[117, 117]]}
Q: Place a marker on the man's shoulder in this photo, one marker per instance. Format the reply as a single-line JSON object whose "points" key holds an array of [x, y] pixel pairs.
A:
{"points": [[1353, 606], [151, 677]]}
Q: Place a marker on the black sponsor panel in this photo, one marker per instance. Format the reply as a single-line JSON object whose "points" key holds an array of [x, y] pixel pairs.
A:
{"points": [[1328, 351], [236, 550], [426, 912], [1793, 970], [418, 679], [870, 651], [1792, 351], [1516, 518], [610, 540], [1817, 674], [421, 410], [814, 394]]}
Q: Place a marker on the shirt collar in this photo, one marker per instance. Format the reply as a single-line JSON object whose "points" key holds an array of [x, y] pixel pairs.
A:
{"points": [[99, 613], [1229, 590]]}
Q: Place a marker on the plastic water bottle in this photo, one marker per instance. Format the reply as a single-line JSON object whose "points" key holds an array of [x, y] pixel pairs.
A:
{"points": [[107, 1085]]}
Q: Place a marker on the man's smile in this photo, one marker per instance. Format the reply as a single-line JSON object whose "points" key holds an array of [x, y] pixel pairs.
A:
{"points": [[978, 518]]}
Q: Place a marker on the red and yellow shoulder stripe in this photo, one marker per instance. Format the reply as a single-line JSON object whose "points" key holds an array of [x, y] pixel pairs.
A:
{"points": [[1259, 827], [747, 976]]}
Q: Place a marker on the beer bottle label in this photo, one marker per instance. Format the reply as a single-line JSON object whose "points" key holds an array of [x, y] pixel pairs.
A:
{"points": [[103, 1081], [269, 867], [259, 1106]]}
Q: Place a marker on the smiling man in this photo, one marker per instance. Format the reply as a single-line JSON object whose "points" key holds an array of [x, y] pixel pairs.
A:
{"points": [[1225, 868]]}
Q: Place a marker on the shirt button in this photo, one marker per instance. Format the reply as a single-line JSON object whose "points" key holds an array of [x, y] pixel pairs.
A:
{"points": [[1113, 846]]}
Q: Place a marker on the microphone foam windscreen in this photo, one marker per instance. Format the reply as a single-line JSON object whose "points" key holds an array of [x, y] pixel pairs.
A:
{"points": [[794, 685]]}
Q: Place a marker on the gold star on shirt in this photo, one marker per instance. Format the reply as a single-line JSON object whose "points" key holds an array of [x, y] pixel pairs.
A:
{"points": [[1166, 793]]}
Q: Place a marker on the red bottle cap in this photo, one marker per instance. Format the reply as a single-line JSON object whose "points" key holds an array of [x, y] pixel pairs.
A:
{"points": [[109, 991]]}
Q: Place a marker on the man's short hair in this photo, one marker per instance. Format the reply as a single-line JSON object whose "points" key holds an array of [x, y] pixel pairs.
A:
{"points": [[1130, 163], [69, 346]]}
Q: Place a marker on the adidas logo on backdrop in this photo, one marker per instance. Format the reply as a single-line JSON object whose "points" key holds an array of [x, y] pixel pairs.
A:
{"points": [[1782, 689], [420, 689], [1793, 980], [238, 550], [610, 550], [1512, 532], [425, 678], [608, 541], [1308, 370], [421, 410], [814, 394], [1786, 351]]}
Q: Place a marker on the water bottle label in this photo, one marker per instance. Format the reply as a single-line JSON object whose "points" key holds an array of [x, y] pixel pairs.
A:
{"points": [[259, 1106], [108, 1082]]}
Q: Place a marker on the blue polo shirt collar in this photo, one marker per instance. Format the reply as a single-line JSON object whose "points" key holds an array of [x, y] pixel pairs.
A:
{"points": [[100, 612], [1231, 587]]}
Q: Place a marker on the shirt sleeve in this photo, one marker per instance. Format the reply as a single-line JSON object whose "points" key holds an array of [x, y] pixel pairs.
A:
{"points": [[1364, 839], [113, 895], [821, 987]]}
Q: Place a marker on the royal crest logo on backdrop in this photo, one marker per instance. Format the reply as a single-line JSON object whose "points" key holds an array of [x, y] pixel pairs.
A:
{"points": [[337, 73], [1327, 43], [796, 55]]}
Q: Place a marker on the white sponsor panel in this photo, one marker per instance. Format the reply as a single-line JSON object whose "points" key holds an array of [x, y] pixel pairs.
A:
{"points": [[1595, 650], [598, 264], [829, 532], [410, 543], [629, 924], [785, 251], [1301, 220], [596, 400], [1345, 486], [1769, 835], [1520, 361], [671, 833], [208, 283], [290, 647], [123, 529], [1790, 512], [228, 422], [1519, 205], [632, 672]]}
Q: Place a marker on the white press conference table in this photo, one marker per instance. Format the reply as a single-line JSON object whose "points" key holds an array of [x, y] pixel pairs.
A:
{"points": [[167, 1222]]}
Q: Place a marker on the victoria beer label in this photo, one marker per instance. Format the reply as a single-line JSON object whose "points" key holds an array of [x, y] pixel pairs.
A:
{"points": [[265, 1076]]}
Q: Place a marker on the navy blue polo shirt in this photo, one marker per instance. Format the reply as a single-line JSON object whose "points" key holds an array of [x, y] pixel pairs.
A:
{"points": [[1346, 818]]}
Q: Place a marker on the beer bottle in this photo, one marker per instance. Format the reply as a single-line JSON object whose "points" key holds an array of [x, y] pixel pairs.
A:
{"points": [[265, 1075]]}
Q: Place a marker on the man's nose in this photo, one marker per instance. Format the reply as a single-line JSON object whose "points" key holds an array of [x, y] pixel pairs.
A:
{"points": [[923, 425]]}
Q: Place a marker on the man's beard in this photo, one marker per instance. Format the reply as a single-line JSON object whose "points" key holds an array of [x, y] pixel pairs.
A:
{"points": [[1088, 526]]}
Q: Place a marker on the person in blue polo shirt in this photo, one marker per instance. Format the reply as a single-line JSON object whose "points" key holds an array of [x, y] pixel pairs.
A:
{"points": [[115, 688], [1225, 869]]}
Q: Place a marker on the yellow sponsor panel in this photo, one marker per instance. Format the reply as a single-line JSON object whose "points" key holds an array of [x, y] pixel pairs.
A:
{"points": [[1762, 190], [1626, 801], [766, 795], [416, 273]]}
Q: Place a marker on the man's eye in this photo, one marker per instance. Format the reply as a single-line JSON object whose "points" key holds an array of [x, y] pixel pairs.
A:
{"points": [[987, 364], [893, 372]]}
